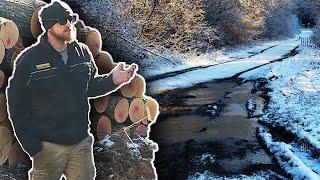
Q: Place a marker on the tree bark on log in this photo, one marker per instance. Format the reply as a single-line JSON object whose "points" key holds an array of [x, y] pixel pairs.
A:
{"points": [[117, 34], [16, 154], [5, 144], [20, 12]]}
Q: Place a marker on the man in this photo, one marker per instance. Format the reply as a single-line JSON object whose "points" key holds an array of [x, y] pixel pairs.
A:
{"points": [[48, 98]]}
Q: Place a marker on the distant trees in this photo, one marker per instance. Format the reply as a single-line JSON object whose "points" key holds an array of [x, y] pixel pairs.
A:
{"points": [[174, 24], [281, 19], [237, 21], [241, 21], [309, 14], [199, 25]]}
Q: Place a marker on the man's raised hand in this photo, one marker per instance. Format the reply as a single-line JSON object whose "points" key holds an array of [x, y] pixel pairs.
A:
{"points": [[122, 75]]}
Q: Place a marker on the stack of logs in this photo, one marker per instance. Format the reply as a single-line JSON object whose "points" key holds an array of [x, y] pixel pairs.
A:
{"points": [[14, 29], [10, 45], [125, 107]]}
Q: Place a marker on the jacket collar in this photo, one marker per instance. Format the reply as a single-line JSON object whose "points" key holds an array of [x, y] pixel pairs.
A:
{"points": [[44, 42]]}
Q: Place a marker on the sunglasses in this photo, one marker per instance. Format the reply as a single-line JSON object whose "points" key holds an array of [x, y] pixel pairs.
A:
{"points": [[62, 21]]}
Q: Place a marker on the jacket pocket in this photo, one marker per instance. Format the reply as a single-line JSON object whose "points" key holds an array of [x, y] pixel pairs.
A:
{"points": [[43, 83]]}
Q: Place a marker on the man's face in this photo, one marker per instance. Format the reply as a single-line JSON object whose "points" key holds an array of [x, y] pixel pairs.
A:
{"points": [[65, 33]]}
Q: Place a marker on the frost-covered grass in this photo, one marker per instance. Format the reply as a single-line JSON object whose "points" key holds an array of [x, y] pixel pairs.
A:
{"points": [[288, 161]]}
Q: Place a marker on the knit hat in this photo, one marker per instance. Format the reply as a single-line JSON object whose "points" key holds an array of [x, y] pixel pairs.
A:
{"points": [[54, 11]]}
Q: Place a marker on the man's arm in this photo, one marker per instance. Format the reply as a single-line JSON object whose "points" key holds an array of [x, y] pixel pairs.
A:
{"points": [[19, 109], [107, 83], [100, 84]]}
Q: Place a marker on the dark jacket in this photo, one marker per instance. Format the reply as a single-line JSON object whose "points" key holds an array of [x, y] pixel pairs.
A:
{"points": [[48, 100]]}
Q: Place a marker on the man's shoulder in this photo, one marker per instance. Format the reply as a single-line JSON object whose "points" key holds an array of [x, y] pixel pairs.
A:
{"points": [[82, 46], [28, 55]]}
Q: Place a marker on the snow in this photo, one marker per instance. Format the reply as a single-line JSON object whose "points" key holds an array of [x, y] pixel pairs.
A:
{"points": [[294, 103], [159, 65], [224, 67], [295, 97], [287, 159], [204, 159], [106, 141], [207, 175]]}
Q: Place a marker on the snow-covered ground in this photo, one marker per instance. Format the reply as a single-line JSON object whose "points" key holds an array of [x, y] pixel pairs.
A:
{"points": [[223, 66], [207, 175], [294, 105], [296, 94], [283, 153]]}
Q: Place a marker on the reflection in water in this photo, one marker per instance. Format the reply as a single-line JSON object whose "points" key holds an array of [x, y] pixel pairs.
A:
{"points": [[230, 138]]}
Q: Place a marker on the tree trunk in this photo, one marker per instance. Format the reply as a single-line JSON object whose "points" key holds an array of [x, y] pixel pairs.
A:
{"points": [[117, 34]]}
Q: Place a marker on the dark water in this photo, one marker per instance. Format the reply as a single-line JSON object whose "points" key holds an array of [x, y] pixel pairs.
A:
{"points": [[209, 131]]}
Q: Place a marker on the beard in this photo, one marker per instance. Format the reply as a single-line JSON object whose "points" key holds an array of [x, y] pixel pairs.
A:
{"points": [[65, 37]]}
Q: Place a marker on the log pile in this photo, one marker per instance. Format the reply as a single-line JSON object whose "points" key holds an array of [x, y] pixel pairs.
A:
{"points": [[10, 149], [19, 26], [124, 107], [11, 45], [129, 105], [25, 15]]}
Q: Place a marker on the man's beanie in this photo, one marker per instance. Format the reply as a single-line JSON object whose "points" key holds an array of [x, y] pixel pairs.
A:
{"points": [[56, 10]]}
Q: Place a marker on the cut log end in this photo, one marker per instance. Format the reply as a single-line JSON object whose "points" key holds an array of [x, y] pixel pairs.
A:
{"points": [[93, 41], [129, 90], [35, 24], [101, 103], [136, 110], [16, 154], [104, 62], [9, 32], [151, 109], [122, 111], [2, 51], [2, 78], [5, 144], [141, 85], [18, 47], [103, 127]]}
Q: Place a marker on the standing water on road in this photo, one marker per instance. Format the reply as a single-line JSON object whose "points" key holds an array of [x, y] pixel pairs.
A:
{"points": [[210, 134]]}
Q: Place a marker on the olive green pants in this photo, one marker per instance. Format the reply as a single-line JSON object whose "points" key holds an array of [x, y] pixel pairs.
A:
{"points": [[74, 161]]}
